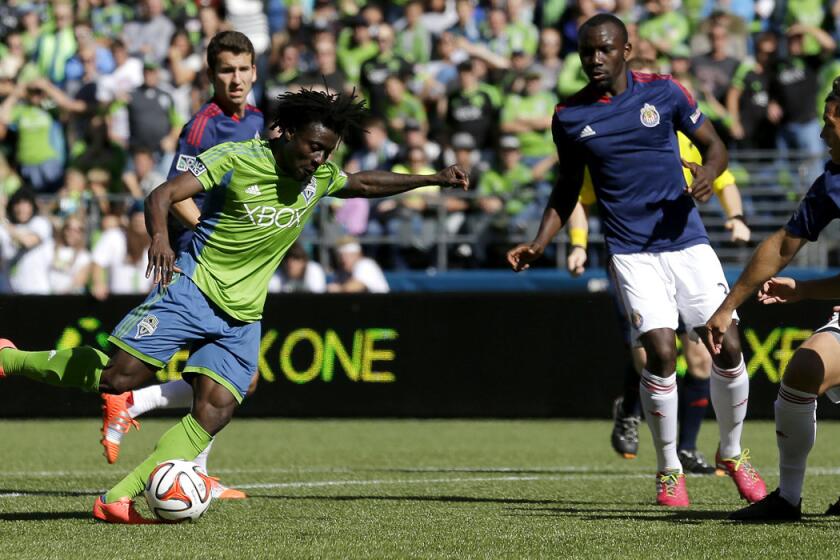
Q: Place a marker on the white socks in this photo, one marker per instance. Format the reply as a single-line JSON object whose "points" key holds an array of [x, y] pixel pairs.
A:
{"points": [[201, 460], [659, 401], [174, 394], [730, 390], [796, 431]]}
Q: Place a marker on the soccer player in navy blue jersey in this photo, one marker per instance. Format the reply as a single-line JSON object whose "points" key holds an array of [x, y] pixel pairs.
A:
{"points": [[227, 117], [814, 368], [623, 126]]}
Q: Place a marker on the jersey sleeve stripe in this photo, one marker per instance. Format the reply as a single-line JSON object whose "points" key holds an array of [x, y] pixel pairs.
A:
{"points": [[200, 133], [688, 95], [194, 126]]}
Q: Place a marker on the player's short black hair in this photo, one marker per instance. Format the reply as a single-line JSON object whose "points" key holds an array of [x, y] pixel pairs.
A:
{"points": [[604, 19], [834, 95], [228, 41], [339, 112]]}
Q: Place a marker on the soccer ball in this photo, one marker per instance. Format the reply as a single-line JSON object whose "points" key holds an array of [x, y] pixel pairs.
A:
{"points": [[178, 490]]}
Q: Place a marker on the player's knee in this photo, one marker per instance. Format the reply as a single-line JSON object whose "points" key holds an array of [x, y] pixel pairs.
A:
{"points": [[662, 360], [805, 371]]}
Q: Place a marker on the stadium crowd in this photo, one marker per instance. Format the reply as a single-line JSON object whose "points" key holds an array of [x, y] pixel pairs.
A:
{"points": [[93, 95]]}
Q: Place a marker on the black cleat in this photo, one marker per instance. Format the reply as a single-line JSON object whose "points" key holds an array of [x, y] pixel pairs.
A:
{"points": [[693, 462], [834, 509], [771, 508], [625, 433]]}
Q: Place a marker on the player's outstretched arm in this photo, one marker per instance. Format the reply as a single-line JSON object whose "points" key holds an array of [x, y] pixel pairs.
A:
{"points": [[377, 184], [769, 258], [578, 233], [563, 199], [161, 256], [789, 290]]}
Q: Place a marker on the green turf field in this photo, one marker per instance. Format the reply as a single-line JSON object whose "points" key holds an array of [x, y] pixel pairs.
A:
{"points": [[403, 489]]}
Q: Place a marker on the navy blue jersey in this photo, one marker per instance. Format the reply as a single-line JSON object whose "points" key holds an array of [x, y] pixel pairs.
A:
{"points": [[629, 142], [208, 127], [820, 206]]}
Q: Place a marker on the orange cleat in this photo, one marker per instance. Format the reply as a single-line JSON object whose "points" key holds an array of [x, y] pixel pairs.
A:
{"points": [[5, 343], [115, 423], [122, 512], [221, 492]]}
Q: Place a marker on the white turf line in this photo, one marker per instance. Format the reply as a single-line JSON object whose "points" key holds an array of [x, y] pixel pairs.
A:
{"points": [[818, 471]]}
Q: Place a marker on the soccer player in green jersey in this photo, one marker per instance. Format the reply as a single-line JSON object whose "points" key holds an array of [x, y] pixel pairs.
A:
{"points": [[260, 194]]}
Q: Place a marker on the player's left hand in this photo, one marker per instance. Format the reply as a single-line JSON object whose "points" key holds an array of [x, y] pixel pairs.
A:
{"points": [[701, 187], [779, 290], [740, 232], [161, 261], [454, 177]]}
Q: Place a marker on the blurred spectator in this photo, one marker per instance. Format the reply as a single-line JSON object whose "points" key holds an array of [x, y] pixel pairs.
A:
{"points": [[9, 180], [466, 26], [792, 105], [154, 123], [376, 70], [414, 38], [377, 151], [495, 32], [522, 34], [30, 20], [72, 194], [749, 95], [97, 152], [401, 106], [472, 110], [548, 62], [56, 47], [114, 91], [438, 16], [145, 177], [180, 71], [356, 273], [69, 270], [415, 137], [664, 26], [40, 145], [149, 35], [438, 77], [355, 45], [298, 274], [120, 257], [715, 69], [575, 14], [326, 70], [27, 244], [284, 77], [528, 116], [108, 17]]}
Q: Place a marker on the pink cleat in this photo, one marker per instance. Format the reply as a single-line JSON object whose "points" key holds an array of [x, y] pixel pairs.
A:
{"points": [[5, 343], [746, 478], [671, 490]]}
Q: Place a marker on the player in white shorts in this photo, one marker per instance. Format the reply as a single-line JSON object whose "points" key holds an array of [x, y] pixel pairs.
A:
{"points": [[623, 127]]}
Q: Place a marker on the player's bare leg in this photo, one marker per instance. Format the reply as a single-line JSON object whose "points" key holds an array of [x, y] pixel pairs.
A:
{"points": [[658, 395]]}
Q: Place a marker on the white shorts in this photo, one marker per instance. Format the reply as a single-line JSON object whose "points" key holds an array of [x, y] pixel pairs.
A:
{"points": [[832, 327], [657, 289]]}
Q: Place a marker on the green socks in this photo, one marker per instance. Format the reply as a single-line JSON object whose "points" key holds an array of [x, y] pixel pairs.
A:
{"points": [[184, 441], [74, 367]]}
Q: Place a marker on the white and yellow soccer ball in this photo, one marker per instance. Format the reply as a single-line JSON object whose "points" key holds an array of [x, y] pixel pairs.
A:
{"points": [[178, 490]]}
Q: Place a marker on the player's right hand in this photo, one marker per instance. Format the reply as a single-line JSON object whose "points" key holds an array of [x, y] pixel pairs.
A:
{"points": [[779, 290], [716, 327], [576, 261], [161, 261], [521, 256]]}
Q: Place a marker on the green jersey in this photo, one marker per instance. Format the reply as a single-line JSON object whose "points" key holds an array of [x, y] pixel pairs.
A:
{"points": [[252, 214]]}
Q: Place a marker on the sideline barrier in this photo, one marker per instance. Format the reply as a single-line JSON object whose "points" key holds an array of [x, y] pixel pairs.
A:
{"points": [[413, 355]]}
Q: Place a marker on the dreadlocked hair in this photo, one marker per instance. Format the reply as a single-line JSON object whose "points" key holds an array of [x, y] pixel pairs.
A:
{"points": [[339, 112]]}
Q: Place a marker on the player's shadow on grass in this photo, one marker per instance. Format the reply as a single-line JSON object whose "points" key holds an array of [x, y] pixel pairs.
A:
{"points": [[590, 514], [445, 499], [43, 515], [54, 493]]}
